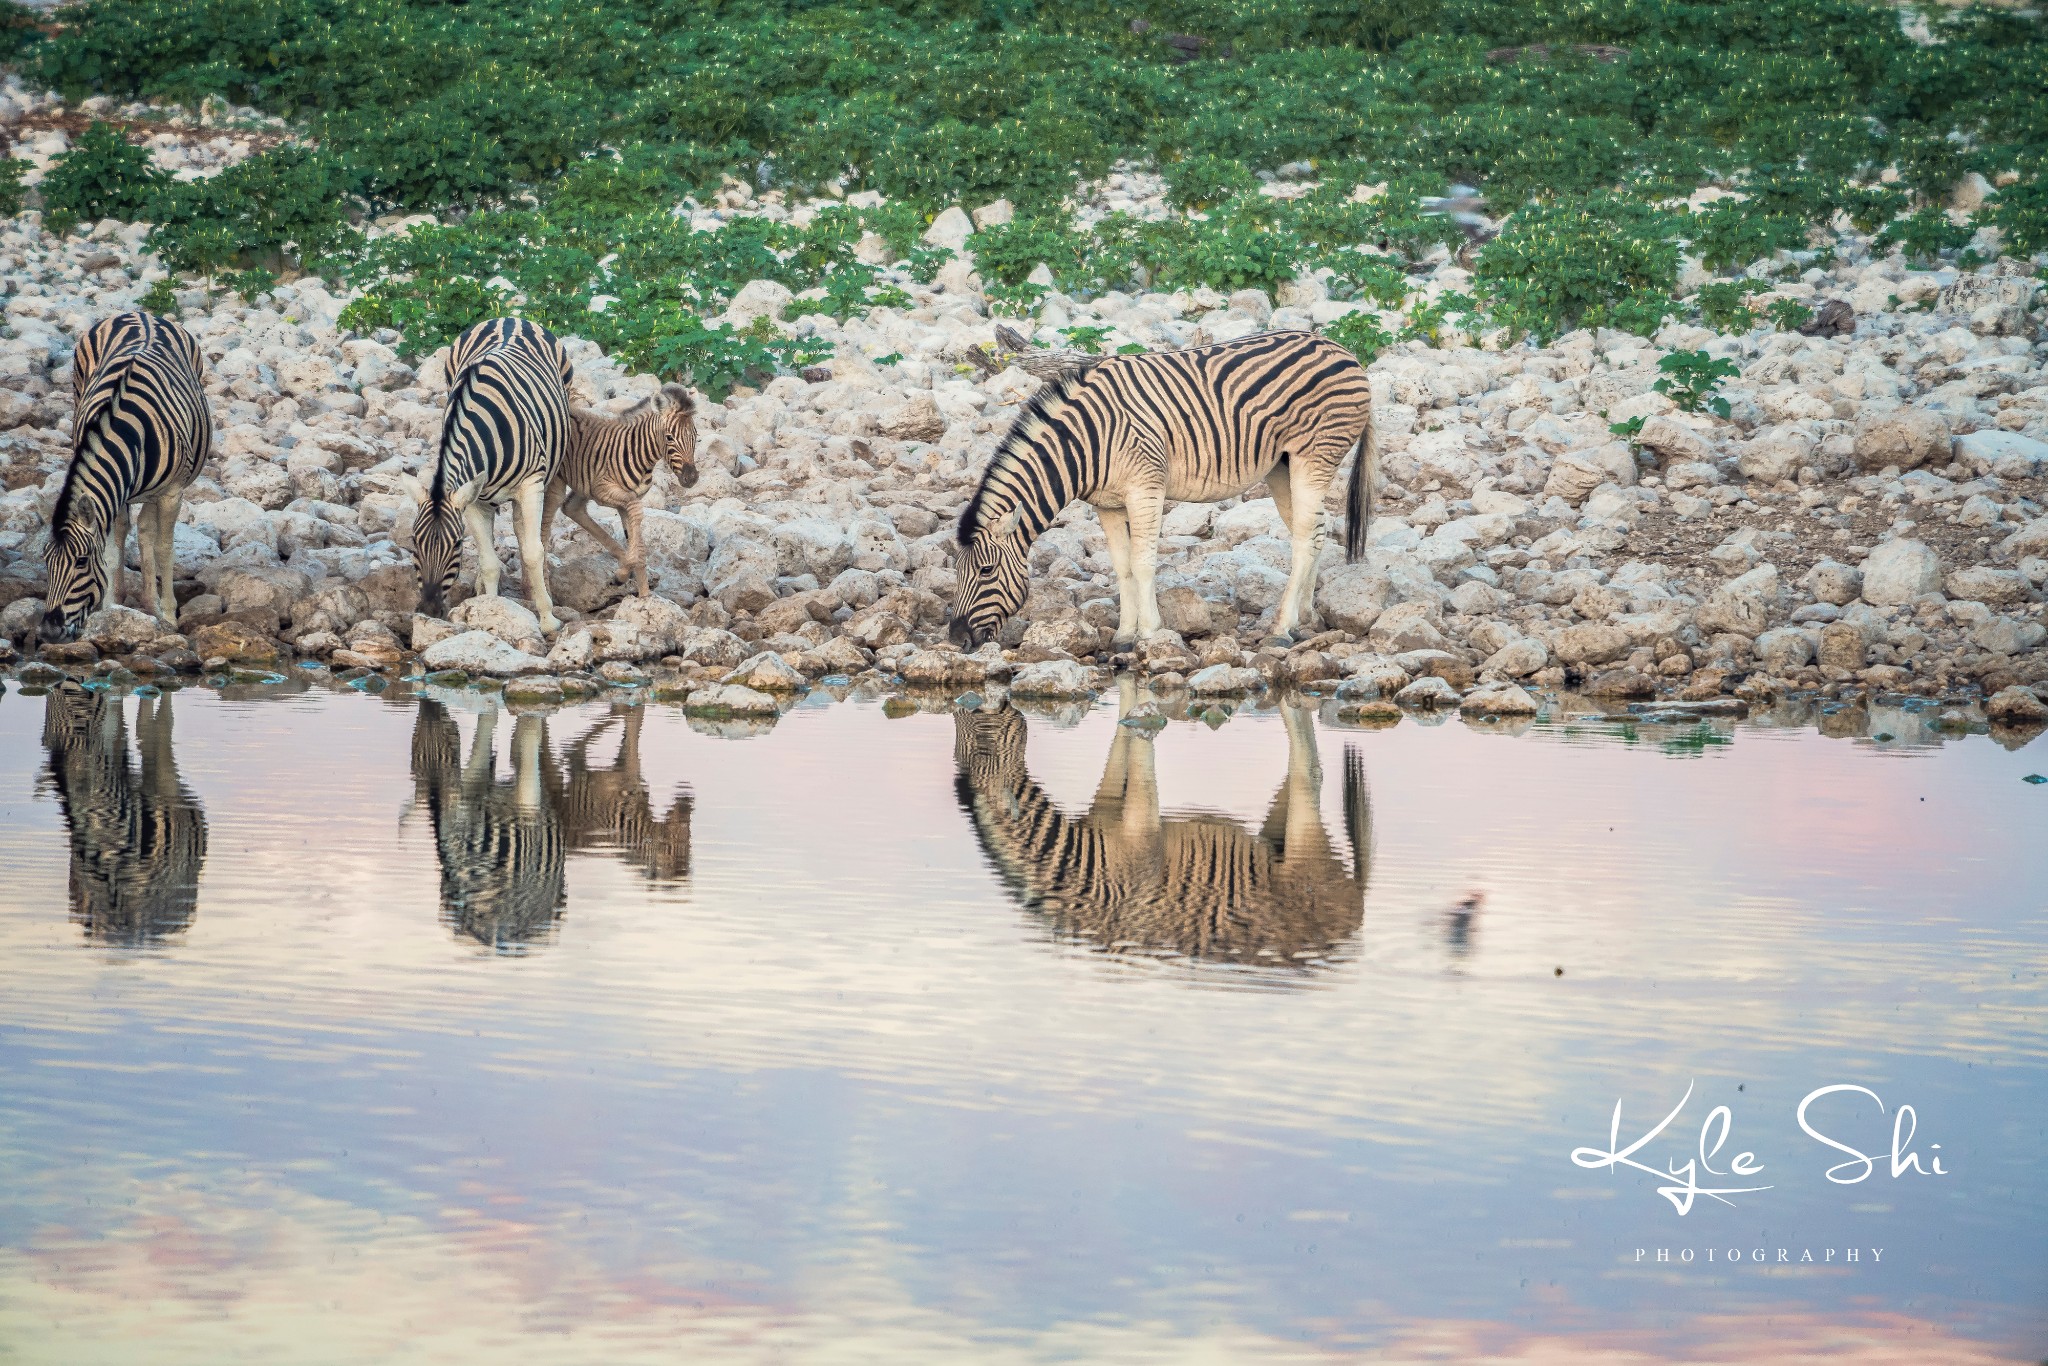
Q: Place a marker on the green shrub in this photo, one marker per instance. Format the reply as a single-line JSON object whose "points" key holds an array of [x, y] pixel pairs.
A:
{"points": [[1603, 261], [2020, 211], [12, 194], [427, 315], [290, 199], [1203, 182], [1690, 379], [1008, 252], [160, 298], [1361, 334], [1731, 234], [1724, 305], [103, 176], [1014, 301], [1924, 234], [1788, 315], [1087, 337]]}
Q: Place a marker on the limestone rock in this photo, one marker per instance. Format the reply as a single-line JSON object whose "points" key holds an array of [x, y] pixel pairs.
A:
{"points": [[1050, 678], [509, 621], [766, 672], [1499, 699], [1224, 680], [1899, 571], [1427, 693], [1906, 437]]}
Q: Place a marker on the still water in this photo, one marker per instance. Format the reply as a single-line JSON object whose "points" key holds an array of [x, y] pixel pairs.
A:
{"points": [[342, 1029]]}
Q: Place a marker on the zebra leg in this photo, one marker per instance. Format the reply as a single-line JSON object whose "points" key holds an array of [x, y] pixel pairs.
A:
{"points": [[156, 533], [1145, 510], [482, 518], [533, 553], [578, 508], [636, 544], [1116, 529], [1303, 513], [113, 559]]}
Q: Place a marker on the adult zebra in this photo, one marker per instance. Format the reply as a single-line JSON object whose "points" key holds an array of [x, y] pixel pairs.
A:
{"points": [[1130, 432], [1122, 879], [502, 440], [140, 430], [611, 461]]}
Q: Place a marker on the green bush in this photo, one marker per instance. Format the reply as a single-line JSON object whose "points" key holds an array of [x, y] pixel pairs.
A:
{"points": [[290, 199], [2020, 211], [1724, 305], [1203, 182], [1690, 379], [1788, 315], [1731, 234], [1602, 261], [1924, 234], [1361, 334], [426, 315], [12, 195], [103, 176]]}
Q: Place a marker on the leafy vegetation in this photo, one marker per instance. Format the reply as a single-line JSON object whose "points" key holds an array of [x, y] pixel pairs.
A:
{"points": [[1690, 378], [559, 135]]}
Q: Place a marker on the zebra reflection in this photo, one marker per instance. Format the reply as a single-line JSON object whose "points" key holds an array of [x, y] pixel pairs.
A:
{"points": [[138, 834], [503, 844], [1201, 887]]}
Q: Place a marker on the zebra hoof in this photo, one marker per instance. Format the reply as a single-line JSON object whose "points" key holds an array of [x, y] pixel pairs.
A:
{"points": [[1122, 645]]}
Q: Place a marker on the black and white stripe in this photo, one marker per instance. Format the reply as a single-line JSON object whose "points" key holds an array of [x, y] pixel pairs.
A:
{"points": [[1123, 880], [611, 461], [503, 437], [609, 809], [138, 834], [1129, 433], [140, 431]]}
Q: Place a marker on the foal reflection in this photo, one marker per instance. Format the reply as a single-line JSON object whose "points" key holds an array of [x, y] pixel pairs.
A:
{"points": [[1203, 887], [138, 834], [503, 844]]}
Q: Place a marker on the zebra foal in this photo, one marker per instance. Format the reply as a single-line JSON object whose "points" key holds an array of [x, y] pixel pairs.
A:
{"points": [[139, 433], [611, 461], [503, 438], [1199, 425]]}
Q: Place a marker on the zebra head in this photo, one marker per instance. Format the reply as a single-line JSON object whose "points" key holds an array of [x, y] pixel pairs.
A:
{"points": [[437, 532], [679, 422], [994, 577], [77, 582]]}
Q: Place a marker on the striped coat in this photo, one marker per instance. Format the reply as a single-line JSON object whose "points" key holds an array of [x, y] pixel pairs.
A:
{"points": [[1123, 880], [138, 834], [139, 433], [503, 437], [611, 461], [1131, 432]]}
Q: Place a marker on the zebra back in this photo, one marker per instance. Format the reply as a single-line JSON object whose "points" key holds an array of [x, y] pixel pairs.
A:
{"points": [[508, 408], [612, 459], [140, 423]]}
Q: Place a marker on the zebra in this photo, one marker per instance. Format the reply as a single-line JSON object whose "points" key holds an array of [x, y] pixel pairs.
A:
{"points": [[611, 461], [610, 808], [138, 835], [1201, 887], [500, 845], [502, 440], [140, 430], [1130, 432]]}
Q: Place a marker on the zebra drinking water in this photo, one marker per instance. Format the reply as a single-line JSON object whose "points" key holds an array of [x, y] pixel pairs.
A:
{"points": [[1130, 432], [1122, 879], [503, 438], [139, 433], [611, 461]]}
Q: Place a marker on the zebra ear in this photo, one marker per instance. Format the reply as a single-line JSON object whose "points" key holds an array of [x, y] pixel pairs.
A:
{"points": [[1007, 525], [465, 495], [414, 489]]}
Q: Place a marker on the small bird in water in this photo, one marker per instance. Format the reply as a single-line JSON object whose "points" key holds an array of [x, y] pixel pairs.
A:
{"points": [[1460, 921]]}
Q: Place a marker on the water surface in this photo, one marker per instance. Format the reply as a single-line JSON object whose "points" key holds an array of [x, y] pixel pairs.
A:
{"points": [[340, 1028]]}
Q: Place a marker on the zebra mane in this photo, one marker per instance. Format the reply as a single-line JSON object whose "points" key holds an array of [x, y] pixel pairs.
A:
{"points": [[678, 398], [1030, 424]]}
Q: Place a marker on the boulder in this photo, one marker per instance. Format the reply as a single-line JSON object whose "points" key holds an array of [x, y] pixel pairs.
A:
{"points": [[1775, 455], [1577, 473], [1843, 645], [480, 652], [2031, 539], [119, 630], [766, 672], [1406, 626], [1832, 581], [941, 669], [1674, 440], [1993, 587], [507, 620], [2007, 636], [1499, 699], [1742, 606], [950, 229], [1517, 659], [1589, 643], [917, 420], [1427, 693], [1782, 649], [1224, 680], [2017, 706], [1906, 437], [1899, 571], [1187, 613], [236, 642], [730, 699], [1050, 678], [660, 623]]}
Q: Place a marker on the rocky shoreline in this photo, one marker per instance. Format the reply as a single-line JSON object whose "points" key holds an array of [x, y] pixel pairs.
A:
{"points": [[1870, 519]]}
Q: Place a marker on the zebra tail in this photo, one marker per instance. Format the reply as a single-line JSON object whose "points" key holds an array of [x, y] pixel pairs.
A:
{"points": [[1365, 473]]}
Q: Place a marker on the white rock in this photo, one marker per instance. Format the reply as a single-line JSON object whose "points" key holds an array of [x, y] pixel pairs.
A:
{"points": [[1899, 571], [1050, 678], [1497, 699], [507, 620], [480, 652], [1224, 680], [950, 229]]}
